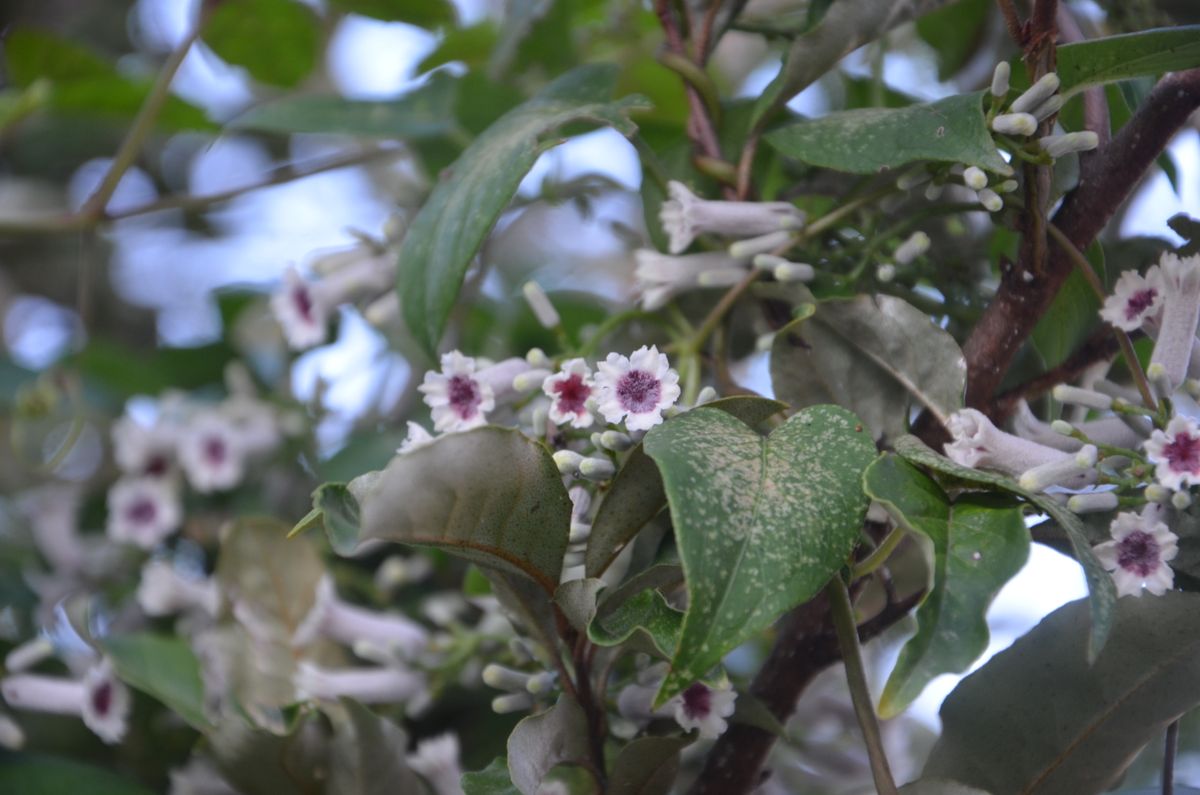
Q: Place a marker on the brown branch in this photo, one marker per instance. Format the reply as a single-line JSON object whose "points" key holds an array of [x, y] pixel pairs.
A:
{"points": [[1105, 183], [1098, 347], [1012, 21], [805, 646]]}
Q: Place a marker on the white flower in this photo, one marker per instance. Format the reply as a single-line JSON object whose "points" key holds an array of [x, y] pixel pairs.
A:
{"points": [[378, 685], [637, 389], [570, 392], [705, 708], [163, 591], [142, 511], [211, 453], [660, 277], [417, 438], [684, 216], [436, 761], [459, 400], [975, 178], [1181, 311], [301, 314], [53, 514], [1138, 554], [1135, 299], [143, 450], [979, 444], [918, 242], [99, 698], [349, 624], [255, 421], [1176, 453]]}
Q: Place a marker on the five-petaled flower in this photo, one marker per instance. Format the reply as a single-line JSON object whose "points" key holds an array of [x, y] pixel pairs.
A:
{"points": [[142, 511], [99, 698], [1138, 554], [1135, 299], [211, 453], [459, 400], [570, 392], [705, 708], [637, 389], [1176, 452]]}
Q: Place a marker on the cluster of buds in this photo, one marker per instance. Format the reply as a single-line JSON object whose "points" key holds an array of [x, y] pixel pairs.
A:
{"points": [[1140, 462]]}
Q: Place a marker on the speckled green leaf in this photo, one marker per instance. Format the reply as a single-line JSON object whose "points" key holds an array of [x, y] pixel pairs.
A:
{"points": [[163, 667], [276, 41], [577, 601], [1102, 592], [465, 204], [541, 741], [1113, 58], [979, 543], [761, 523], [490, 495], [425, 112], [1040, 719], [874, 355], [647, 618], [636, 495], [868, 140]]}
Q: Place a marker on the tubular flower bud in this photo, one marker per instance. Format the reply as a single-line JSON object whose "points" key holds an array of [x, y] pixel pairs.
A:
{"points": [[1000, 77], [917, 243], [1082, 397], [597, 469], [979, 444], [684, 215], [990, 200], [1109, 430], [379, 685], [1060, 145], [1015, 124], [759, 245], [885, 272], [1036, 94], [1064, 471], [974, 178], [1048, 108], [568, 462], [1093, 502], [794, 272], [539, 302], [660, 277], [348, 624]]}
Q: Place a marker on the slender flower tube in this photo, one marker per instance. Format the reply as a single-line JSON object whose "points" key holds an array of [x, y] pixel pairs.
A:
{"points": [[1036, 94], [1015, 124], [1000, 77], [380, 685], [347, 624], [1107, 430], [1138, 554], [975, 178], [684, 215], [303, 308], [99, 698], [1093, 502], [990, 200], [979, 444], [660, 277], [29, 654], [436, 761], [163, 591], [744, 249], [918, 242], [539, 302], [1088, 398], [1061, 145], [1049, 108], [1065, 471], [1181, 312]]}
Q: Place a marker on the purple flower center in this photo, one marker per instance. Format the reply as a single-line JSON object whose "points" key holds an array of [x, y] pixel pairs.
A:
{"points": [[1183, 453], [142, 511], [465, 396], [697, 701], [572, 393], [638, 391], [215, 450], [1139, 302], [156, 467], [1138, 552], [304, 303], [102, 698]]}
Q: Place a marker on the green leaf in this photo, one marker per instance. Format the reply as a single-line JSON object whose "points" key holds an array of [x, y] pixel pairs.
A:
{"points": [[492, 780], [661, 575], [646, 766], [979, 542], [874, 355], [164, 668], [541, 741], [276, 41], [636, 494], [470, 46], [1038, 718], [121, 98], [338, 512], [939, 786], [1114, 58], [428, 14], [1102, 592], [31, 54], [761, 523], [869, 140], [366, 755], [490, 495], [126, 372], [464, 206], [37, 774], [424, 112], [647, 619], [257, 762], [1072, 315], [577, 601]]}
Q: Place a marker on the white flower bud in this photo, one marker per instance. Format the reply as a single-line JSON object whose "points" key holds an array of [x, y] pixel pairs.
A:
{"points": [[885, 272], [530, 380], [1181, 500], [1049, 107], [539, 302], [1082, 397], [744, 249], [1007, 186], [1059, 145], [1015, 124], [538, 358], [511, 702], [913, 179], [502, 678], [1094, 502], [615, 441], [794, 272], [1000, 77], [1156, 493], [933, 191], [540, 683], [597, 468], [1036, 94], [768, 261], [974, 178], [720, 277], [1063, 427], [990, 200], [707, 395], [568, 461], [916, 244]]}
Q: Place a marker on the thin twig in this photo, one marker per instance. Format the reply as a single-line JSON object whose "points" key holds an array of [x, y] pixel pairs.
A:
{"points": [[1170, 747]]}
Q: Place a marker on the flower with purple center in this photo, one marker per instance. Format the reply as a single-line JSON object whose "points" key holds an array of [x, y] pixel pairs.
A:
{"points": [[458, 399], [1176, 452], [1135, 299], [705, 708], [99, 698], [142, 511], [1138, 554], [570, 392], [636, 389], [300, 312], [211, 453]]}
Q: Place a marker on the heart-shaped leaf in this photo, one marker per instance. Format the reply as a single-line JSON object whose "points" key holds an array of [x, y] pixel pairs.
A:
{"points": [[464, 206], [1102, 592], [979, 543], [761, 523], [869, 140], [875, 355], [541, 741], [1038, 718], [490, 495], [636, 495]]}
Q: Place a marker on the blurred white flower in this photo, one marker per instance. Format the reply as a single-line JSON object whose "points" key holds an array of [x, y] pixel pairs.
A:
{"points": [[164, 591], [1176, 453], [143, 450], [636, 389], [376, 685], [1181, 312], [417, 438], [303, 308], [349, 624], [684, 215], [436, 761], [705, 709], [211, 453], [660, 277], [979, 444], [99, 698], [142, 511]]}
